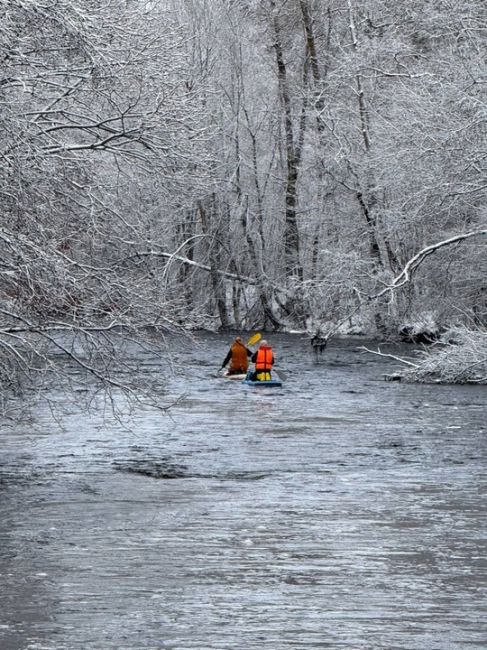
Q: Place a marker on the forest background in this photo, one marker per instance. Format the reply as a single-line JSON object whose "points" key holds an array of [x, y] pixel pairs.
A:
{"points": [[317, 165]]}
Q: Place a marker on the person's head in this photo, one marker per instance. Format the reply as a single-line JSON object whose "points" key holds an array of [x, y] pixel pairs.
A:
{"points": [[238, 339], [264, 343]]}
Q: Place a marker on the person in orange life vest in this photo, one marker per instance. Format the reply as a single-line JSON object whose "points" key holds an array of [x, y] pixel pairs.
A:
{"points": [[238, 357], [264, 360]]}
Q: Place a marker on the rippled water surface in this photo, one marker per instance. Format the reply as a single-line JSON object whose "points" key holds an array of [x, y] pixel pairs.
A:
{"points": [[341, 511]]}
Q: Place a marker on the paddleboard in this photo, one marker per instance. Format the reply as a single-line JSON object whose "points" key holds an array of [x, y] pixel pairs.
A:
{"points": [[226, 375], [270, 383]]}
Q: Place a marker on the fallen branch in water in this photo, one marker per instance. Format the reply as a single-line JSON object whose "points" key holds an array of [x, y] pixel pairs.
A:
{"points": [[459, 357], [390, 356]]}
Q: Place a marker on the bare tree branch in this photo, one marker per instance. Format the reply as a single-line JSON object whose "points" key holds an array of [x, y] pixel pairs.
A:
{"points": [[405, 276]]}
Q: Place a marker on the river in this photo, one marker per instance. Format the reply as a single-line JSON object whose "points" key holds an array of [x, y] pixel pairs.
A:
{"points": [[341, 511]]}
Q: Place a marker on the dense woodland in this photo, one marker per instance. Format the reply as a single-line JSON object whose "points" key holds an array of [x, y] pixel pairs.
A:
{"points": [[283, 164]]}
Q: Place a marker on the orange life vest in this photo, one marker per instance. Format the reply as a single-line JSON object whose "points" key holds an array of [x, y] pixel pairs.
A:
{"points": [[264, 359], [239, 357]]}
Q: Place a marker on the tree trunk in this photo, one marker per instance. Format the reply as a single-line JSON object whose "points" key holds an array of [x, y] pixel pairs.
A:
{"points": [[214, 263], [292, 262]]}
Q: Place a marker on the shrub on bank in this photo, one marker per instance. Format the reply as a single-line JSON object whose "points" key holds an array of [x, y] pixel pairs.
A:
{"points": [[459, 357]]}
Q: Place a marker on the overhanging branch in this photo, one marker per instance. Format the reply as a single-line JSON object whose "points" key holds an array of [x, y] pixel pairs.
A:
{"points": [[405, 276]]}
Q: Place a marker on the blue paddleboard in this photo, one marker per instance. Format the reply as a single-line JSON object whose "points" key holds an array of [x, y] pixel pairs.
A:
{"points": [[269, 383]]}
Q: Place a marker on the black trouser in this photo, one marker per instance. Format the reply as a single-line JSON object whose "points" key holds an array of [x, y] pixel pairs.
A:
{"points": [[236, 371]]}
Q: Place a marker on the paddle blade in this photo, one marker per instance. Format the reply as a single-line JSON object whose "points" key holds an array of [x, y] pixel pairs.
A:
{"points": [[282, 375], [253, 339]]}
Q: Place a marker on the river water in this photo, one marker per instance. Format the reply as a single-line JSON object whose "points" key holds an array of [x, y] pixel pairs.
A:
{"points": [[341, 511]]}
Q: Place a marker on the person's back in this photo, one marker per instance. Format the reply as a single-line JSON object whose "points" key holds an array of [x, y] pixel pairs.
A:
{"points": [[264, 360], [238, 357]]}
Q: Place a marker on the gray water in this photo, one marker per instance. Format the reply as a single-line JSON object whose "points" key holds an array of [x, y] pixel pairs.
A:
{"points": [[341, 511]]}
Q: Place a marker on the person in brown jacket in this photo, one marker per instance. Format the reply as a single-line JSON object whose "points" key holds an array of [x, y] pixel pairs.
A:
{"points": [[238, 357]]}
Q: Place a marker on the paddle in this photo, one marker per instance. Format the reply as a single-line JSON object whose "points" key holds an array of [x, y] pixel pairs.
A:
{"points": [[253, 339], [280, 373]]}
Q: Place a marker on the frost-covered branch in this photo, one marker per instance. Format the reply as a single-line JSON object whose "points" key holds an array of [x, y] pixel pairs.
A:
{"points": [[405, 276], [389, 356]]}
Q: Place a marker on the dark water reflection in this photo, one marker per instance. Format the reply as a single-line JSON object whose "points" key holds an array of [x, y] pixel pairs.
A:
{"points": [[339, 512]]}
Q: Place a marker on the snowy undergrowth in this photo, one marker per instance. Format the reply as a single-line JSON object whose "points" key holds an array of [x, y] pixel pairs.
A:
{"points": [[459, 357]]}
